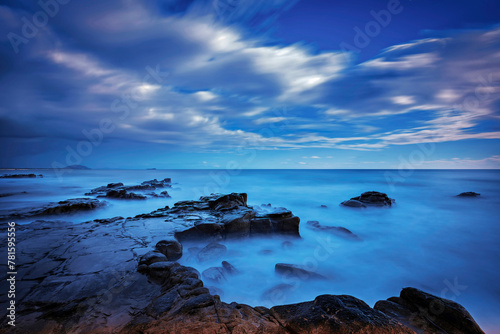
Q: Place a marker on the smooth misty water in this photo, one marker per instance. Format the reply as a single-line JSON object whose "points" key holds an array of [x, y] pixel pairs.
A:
{"points": [[431, 239]]}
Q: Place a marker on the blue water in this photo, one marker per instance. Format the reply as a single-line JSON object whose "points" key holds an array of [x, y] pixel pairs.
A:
{"points": [[430, 239]]}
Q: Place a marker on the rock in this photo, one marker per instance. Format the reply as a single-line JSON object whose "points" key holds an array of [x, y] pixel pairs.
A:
{"points": [[214, 274], [152, 257], [427, 313], [293, 270], [353, 204], [278, 293], [215, 291], [114, 185], [63, 207], [12, 194], [212, 251], [336, 314], [123, 194], [323, 206], [468, 194], [370, 198], [226, 202], [336, 230], [165, 194], [229, 268], [17, 176], [171, 249]]}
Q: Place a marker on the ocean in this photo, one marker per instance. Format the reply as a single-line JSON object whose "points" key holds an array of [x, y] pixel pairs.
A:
{"points": [[430, 239]]}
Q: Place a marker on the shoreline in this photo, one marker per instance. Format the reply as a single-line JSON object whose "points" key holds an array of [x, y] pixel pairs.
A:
{"points": [[84, 274]]}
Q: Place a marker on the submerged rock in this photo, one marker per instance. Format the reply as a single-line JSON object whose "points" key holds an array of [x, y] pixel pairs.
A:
{"points": [[369, 198], [294, 270], [214, 274], [229, 268], [336, 230], [427, 313], [211, 252], [469, 194]]}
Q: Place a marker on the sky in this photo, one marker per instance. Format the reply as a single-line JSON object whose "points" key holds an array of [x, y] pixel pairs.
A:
{"points": [[240, 84]]}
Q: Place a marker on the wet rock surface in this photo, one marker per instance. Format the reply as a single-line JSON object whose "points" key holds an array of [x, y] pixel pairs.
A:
{"points": [[63, 207], [426, 313], [118, 275], [119, 190], [369, 198]]}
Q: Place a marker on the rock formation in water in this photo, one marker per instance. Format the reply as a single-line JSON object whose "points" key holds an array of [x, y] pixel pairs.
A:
{"points": [[469, 194], [120, 191], [120, 276], [369, 198]]}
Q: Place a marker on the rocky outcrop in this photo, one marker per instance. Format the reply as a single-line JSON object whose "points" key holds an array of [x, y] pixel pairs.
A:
{"points": [[63, 207], [335, 230], [217, 217], [119, 190], [369, 198], [469, 194], [426, 313], [117, 276], [122, 194], [18, 176]]}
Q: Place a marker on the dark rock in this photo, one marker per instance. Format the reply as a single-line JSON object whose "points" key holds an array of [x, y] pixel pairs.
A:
{"points": [[278, 294], [229, 268], [171, 249], [17, 176], [293, 270], [214, 274], [335, 314], [427, 313], [226, 202], [468, 194], [212, 251], [323, 206], [353, 204], [164, 194], [63, 207], [123, 194], [114, 185], [336, 230], [370, 198], [152, 257]]}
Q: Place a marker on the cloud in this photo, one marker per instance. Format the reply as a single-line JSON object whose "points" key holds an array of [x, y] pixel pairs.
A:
{"points": [[224, 85]]}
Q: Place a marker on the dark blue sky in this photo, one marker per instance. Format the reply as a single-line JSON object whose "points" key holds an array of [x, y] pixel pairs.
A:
{"points": [[252, 84]]}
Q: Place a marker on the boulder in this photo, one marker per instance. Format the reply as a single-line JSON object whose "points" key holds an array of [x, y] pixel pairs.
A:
{"points": [[152, 257], [212, 251], [17, 176], [172, 249], [427, 313], [214, 274], [370, 198], [229, 268], [294, 270], [336, 230], [353, 204], [468, 194]]}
